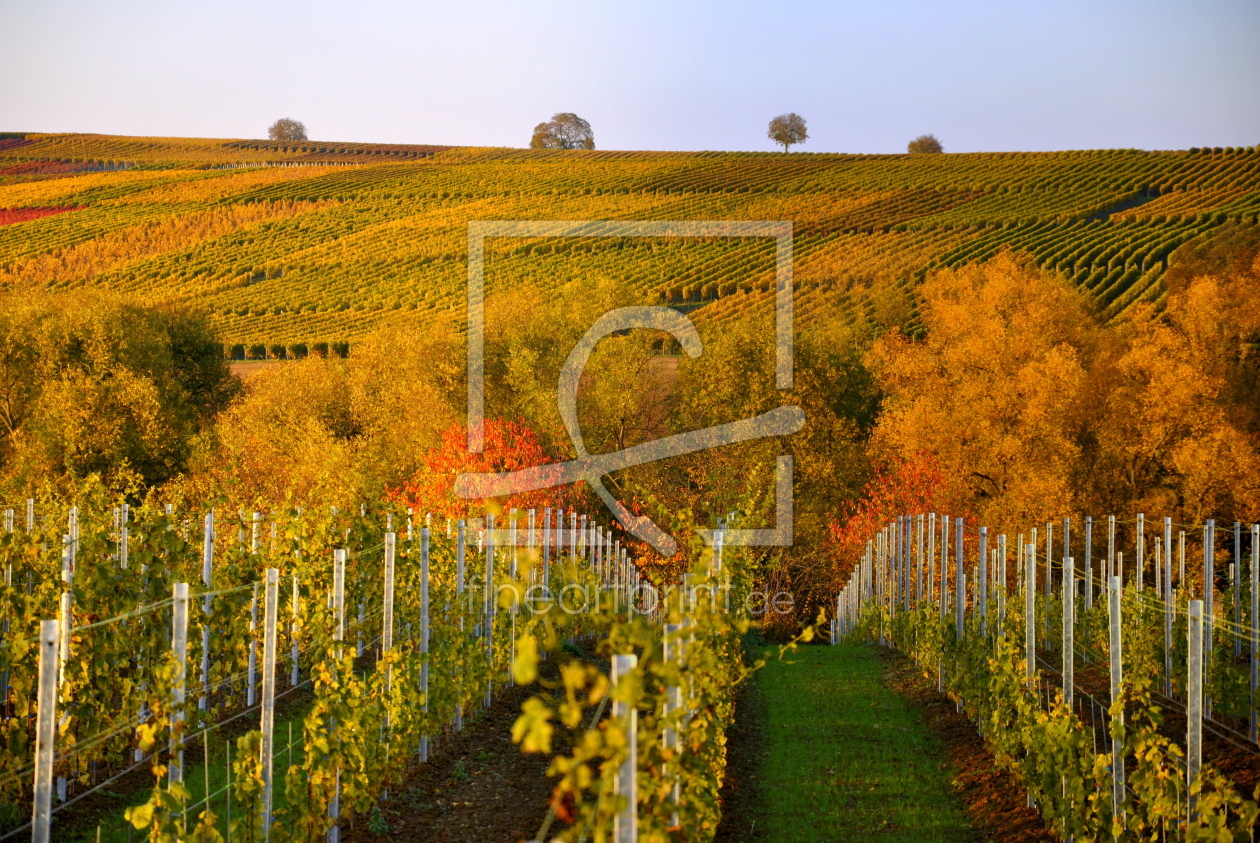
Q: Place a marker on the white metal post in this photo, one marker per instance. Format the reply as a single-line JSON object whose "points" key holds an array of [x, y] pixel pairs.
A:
{"points": [[1114, 595], [1069, 628], [1255, 628], [387, 615], [124, 532], [1209, 600], [252, 670], [424, 632], [1194, 701], [982, 591], [1235, 584], [271, 621], [1049, 557], [45, 730], [1111, 552], [179, 647], [931, 554], [488, 603], [294, 605], [959, 577], [339, 635], [207, 565], [67, 604], [459, 591], [673, 706], [625, 825], [512, 541], [1030, 612], [1169, 606], [1141, 551]]}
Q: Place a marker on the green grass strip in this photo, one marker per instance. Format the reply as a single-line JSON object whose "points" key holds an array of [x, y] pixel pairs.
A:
{"points": [[846, 758]]}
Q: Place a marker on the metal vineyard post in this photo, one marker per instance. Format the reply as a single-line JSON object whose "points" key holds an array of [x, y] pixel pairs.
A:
{"points": [[625, 826], [45, 731], [1117, 684], [1030, 610], [1194, 703], [271, 621], [1069, 628], [179, 647]]}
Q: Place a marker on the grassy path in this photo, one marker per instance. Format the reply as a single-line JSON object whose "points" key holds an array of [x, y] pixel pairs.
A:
{"points": [[846, 758]]}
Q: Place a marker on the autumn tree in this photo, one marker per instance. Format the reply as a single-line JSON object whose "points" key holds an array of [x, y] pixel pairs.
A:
{"points": [[999, 391], [330, 430], [787, 130], [563, 131], [924, 144], [508, 445], [1173, 434], [92, 385], [1039, 411], [287, 129]]}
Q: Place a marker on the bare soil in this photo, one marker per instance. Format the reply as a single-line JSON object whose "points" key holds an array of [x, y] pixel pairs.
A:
{"points": [[477, 787]]}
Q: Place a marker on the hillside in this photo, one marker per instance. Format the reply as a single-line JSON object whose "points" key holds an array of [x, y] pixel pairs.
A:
{"points": [[302, 242]]}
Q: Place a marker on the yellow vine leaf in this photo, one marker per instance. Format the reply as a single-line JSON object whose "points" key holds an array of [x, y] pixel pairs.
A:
{"points": [[533, 729], [525, 666]]}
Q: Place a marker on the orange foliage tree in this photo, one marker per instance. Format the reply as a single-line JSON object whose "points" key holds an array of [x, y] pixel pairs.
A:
{"points": [[999, 392], [510, 445]]}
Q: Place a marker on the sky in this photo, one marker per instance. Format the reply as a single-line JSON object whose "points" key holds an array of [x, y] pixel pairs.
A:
{"points": [[652, 74]]}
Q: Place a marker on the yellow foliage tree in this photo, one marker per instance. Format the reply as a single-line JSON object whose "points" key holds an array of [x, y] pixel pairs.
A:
{"points": [[92, 385]]}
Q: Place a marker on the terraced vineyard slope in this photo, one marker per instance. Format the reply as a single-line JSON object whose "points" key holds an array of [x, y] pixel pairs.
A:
{"points": [[302, 242]]}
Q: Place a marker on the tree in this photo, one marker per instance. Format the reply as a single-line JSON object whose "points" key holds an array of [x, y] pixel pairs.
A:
{"points": [[1011, 350], [788, 129], [90, 384], [287, 129], [924, 143], [563, 131]]}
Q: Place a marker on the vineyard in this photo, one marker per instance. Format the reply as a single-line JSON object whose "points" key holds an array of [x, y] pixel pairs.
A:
{"points": [[160, 628], [260, 611], [303, 242], [1121, 694]]}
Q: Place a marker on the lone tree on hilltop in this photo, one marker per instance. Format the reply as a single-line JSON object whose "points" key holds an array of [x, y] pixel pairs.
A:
{"points": [[788, 129], [287, 129], [563, 131], [924, 143]]}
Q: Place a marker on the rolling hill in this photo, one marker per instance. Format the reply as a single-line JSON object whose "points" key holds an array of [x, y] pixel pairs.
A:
{"points": [[288, 242]]}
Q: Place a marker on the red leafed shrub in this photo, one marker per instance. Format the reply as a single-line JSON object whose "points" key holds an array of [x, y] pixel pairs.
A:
{"points": [[509, 445], [904, 487], [11, 215]]}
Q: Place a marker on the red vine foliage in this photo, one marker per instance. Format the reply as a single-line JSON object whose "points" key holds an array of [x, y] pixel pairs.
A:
{"points": [[12, 215]]}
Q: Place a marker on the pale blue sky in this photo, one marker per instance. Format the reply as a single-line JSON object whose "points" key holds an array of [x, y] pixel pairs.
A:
{"points": [[1009, 75]]}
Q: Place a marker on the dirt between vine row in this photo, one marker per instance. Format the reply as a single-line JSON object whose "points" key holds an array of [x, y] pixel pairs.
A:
{"points": [[740, 796], [477, 787], [994, 800]]}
